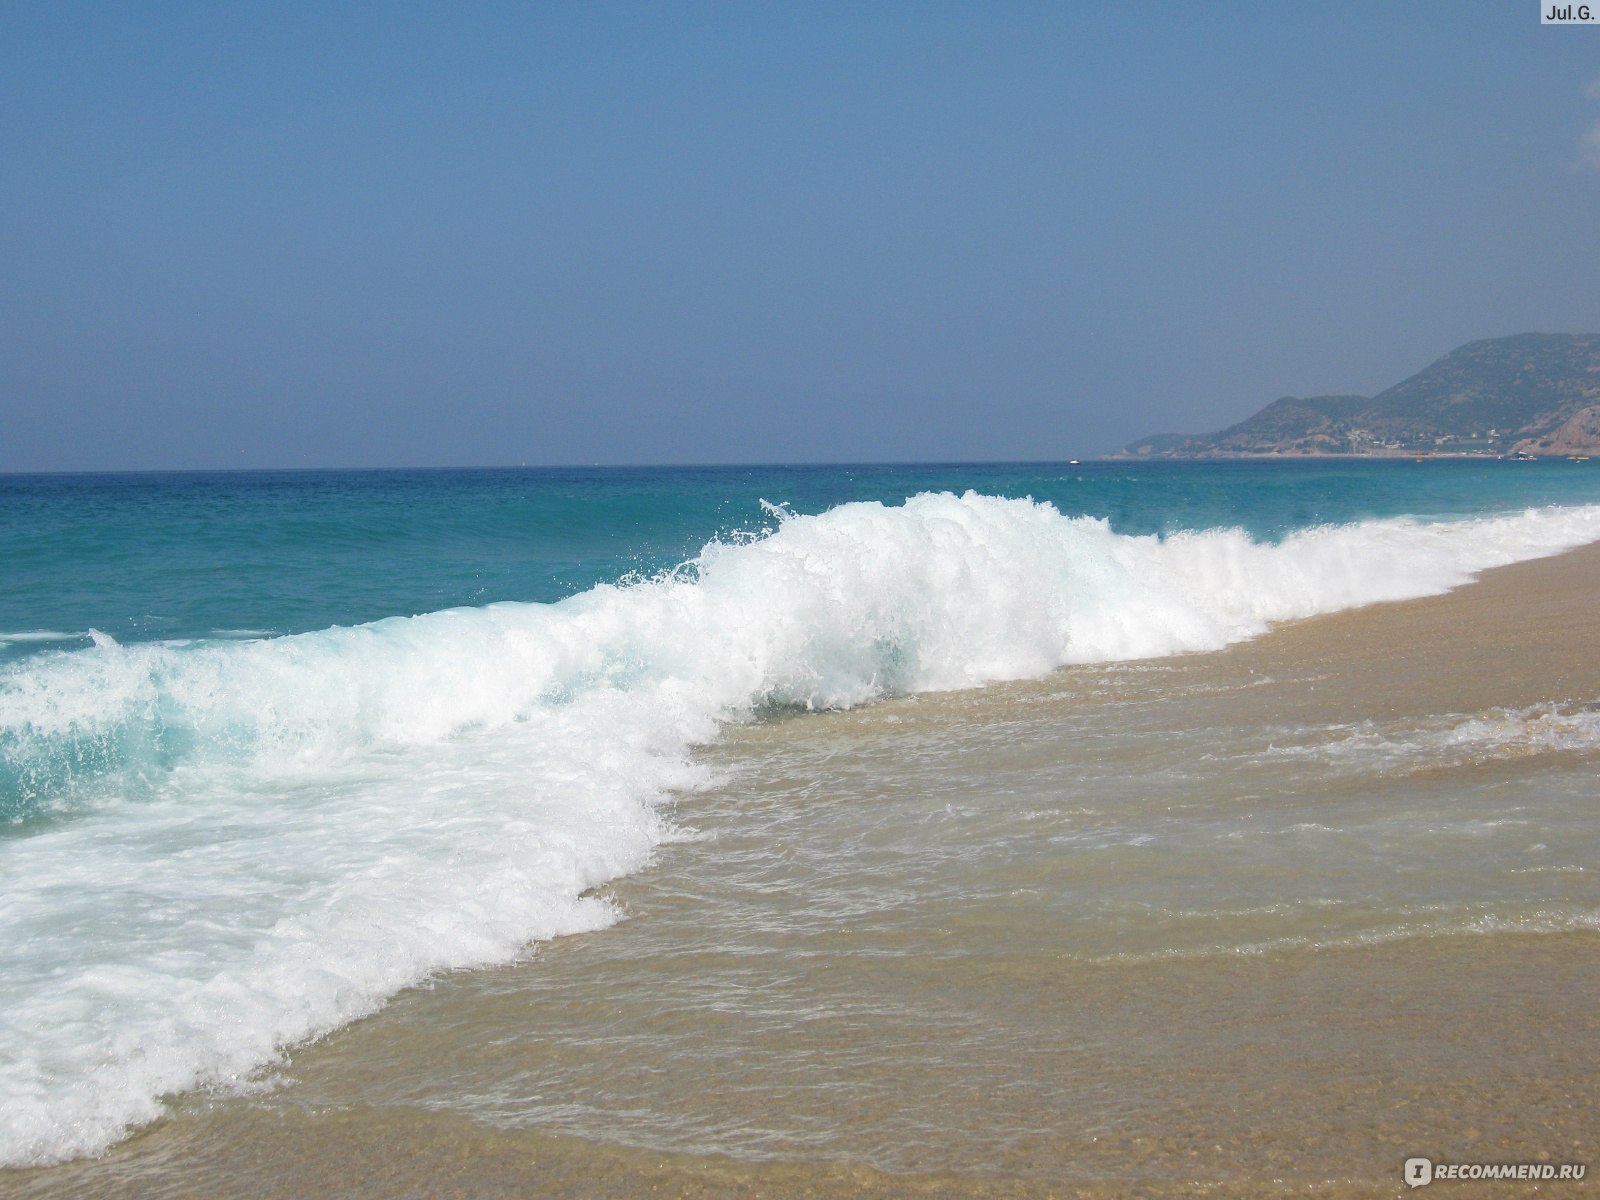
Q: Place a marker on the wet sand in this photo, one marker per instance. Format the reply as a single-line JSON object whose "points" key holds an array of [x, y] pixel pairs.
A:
{"points": [[1299, 1071], [1520, 635], [1465, 1052]]}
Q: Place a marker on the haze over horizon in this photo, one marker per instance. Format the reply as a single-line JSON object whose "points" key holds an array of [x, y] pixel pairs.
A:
{"points": [[411, 235]]}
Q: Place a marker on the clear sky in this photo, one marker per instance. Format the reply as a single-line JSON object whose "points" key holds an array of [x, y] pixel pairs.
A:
{"points": [[343, 234]]}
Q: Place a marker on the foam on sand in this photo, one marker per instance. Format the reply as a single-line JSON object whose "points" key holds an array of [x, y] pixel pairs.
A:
{"points": [[222, 848]]}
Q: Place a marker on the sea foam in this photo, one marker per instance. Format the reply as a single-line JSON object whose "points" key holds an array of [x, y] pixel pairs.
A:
{"points": [[220, 849]]}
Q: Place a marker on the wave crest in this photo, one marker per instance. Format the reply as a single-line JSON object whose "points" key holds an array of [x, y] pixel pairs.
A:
{"points": [[267, 838]]}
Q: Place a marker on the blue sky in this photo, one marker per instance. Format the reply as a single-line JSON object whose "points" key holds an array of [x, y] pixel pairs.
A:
{"points": [[285, 235]]}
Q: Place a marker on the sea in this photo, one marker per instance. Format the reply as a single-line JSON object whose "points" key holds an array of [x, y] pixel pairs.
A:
{"points": [[769, 814]]}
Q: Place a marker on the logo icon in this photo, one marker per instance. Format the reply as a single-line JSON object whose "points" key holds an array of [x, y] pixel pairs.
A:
{"points": [[1418, 1172]]}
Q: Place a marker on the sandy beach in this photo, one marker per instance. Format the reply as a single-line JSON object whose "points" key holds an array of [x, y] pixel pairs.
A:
{"points": [[781, 601], [1053, 1067]]}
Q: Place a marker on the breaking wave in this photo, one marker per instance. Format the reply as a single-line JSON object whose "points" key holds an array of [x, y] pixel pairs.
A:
{"points": [[217, 849]]}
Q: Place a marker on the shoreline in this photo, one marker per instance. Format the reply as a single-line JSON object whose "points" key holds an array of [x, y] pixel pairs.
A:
{"points": [[1466, 1047], [1312, 1006], [1397, 455]]}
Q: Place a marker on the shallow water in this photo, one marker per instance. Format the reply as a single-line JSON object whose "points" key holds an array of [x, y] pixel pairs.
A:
{"points": [[943, 933], [1208, 916], [1271, 917]]}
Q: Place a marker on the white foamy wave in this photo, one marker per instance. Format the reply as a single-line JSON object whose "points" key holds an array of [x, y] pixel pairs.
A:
{"points": [[256, 841], [1427, 923], [31, 636], [1459, 740]]}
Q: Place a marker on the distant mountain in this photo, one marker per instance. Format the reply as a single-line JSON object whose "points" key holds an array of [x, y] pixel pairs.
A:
{"points": [[1536, 393]]}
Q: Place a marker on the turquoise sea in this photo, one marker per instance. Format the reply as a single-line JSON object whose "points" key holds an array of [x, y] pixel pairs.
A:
{"points": [[147, 557], [277, 746]]}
